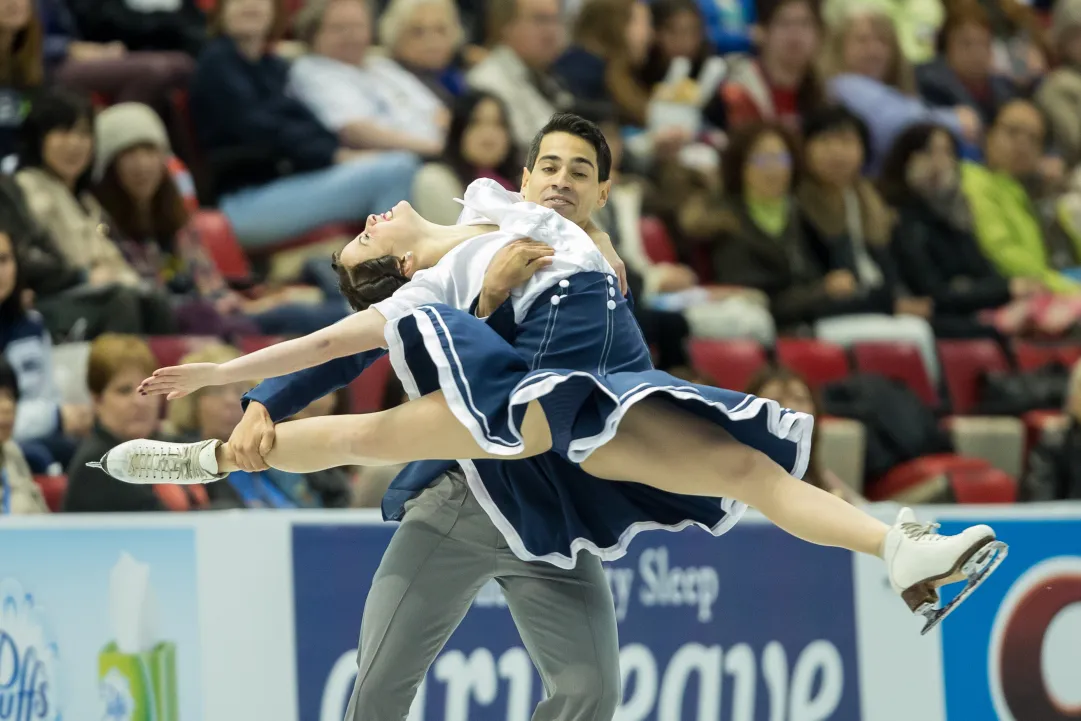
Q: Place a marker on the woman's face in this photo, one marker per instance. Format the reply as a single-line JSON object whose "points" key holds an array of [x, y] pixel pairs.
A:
{"points": [[792, 38], [140, 171], [639, 33], [768, 173], [680, 36], [67, 152], [125, 412], [385, 235], [8, 267], [792, 394], [247, 19], [345, 33], [867, 50], [968, 51], [486, 142], [218, 410], [427, 40], [15, 14], [934, 168], [835, 157]]}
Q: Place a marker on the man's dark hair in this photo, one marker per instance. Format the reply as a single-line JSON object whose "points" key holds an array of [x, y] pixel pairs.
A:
{"points": [[577, 126], [369, 282]]}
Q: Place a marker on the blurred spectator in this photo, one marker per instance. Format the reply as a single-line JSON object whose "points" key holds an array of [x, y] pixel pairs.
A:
{"points": [[848, 226], [371, 102], [934, 242], [781, 84], [44, 425], [1054, 465], [124, 51], [56, 148], [1021, 46], [527, 38], [611, 42], [1008, 227], [118, 363], [213, 412], [963, 73], [19, 495], [21, 69], [277, 171], [791, 391], [176, 25], [1059, 95], [479, 145], [866, 72], [671, 292], [424, 36], [678, 32], [135, 188], [729, 23], [917, 21]]}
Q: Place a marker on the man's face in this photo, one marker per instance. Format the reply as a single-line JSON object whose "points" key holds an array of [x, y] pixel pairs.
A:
{"points": [[1015, 141], [565, 178], [537, 35], [345, 32]]}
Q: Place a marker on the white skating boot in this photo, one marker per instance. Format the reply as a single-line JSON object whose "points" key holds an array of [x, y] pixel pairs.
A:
{"points": [[919, 561], [148, 462]]}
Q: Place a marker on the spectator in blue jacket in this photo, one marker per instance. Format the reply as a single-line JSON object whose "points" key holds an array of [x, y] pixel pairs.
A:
{"points": [[44, 426], [277, 172]]}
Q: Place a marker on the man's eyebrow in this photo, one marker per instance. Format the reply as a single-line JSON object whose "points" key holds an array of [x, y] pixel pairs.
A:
{"points": [[578, 159]]}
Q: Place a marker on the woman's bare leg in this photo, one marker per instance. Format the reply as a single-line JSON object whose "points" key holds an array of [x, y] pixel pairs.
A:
{"points": [[420, 430], [657, 445]]}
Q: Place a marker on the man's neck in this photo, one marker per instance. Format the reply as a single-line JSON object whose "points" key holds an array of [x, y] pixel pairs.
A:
{"points": [[251, 48]]}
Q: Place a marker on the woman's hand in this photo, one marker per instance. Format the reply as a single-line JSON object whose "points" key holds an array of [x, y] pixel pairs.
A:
{"points": [[603, 241], [178, 381]]}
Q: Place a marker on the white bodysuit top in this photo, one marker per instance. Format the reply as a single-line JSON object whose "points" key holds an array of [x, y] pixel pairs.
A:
{"points": [[458, 277]]}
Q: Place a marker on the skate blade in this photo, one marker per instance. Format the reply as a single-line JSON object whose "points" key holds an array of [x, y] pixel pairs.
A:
{"points": [[977, 569]]}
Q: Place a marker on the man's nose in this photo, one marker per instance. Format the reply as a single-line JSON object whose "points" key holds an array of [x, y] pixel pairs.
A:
{"points": [[560, 180]]}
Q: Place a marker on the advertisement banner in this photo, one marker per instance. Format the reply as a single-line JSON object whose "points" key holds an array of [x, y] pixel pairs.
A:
{"points": [[99, 624], [1011, 652], [754, 626]]}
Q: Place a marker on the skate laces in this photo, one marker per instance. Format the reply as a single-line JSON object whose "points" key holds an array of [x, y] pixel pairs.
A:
{"points": [[157, 463], [921, 531]]}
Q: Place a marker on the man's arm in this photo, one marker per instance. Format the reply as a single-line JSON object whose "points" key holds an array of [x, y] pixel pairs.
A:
{"points": [[285, 396]]}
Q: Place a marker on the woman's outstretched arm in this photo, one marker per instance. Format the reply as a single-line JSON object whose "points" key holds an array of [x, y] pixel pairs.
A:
{"points": [[357, 333]]}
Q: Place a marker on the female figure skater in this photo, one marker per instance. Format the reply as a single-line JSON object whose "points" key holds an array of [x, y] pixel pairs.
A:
{"points": [[574, 378]]}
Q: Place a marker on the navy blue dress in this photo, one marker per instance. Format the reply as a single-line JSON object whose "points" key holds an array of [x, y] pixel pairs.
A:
{"points": [[580, 353]]}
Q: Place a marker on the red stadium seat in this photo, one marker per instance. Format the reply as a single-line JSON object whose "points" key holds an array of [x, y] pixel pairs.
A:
{"points": [[963, 363], [182, 498], [1070, 354], [983, 485], [899, 361], [656, 241], [252, 343], [817, 361], [921, 480], [1031, 356], [727, 363], [53, 489], [366, 393], [169, 349], [220, 242]]}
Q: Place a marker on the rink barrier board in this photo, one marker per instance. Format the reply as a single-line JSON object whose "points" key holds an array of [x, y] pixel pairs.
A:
{"points": [[258, 615]]}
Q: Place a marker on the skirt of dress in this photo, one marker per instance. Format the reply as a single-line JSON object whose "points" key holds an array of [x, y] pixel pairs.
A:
{"points": [[584, 360]]}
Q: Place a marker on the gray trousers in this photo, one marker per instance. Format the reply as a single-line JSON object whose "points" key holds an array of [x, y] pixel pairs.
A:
{"points": [[445, 550]]}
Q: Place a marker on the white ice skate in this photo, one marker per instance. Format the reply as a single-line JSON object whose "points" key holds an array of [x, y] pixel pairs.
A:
{"points": [[920, 560], [148, 462]]}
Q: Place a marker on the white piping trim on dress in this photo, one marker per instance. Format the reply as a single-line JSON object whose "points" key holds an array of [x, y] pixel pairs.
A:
{"points": [[733, 509], [397, 360]]}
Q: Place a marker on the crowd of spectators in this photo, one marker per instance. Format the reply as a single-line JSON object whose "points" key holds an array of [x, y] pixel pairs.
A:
{"points": [[853, 171]]}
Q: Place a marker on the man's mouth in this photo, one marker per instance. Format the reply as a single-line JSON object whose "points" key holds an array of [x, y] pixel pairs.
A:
{"points": [[558, 201]]}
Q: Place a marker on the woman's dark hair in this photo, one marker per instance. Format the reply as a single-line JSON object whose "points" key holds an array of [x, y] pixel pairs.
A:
{"points": [[770, 374], [24, 67], [738, 153], [54, 109], [11, 308], [168, 214], [656, 65], [369, 282], [8, 380], [810, 95], [461, 117], [893, 178], [835, 119]]}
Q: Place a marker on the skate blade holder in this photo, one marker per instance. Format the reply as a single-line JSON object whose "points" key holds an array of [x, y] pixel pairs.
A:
{"points": [[975, 570]]}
